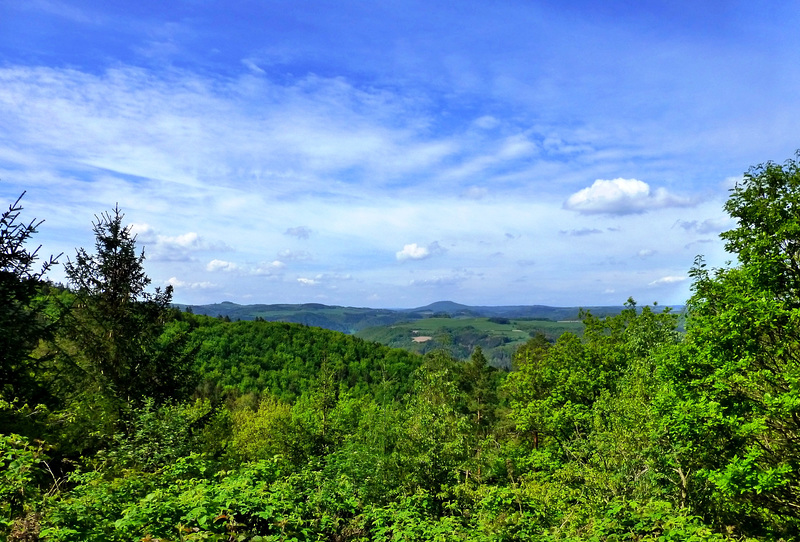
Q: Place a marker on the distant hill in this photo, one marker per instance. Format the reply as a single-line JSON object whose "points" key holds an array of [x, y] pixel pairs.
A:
{"points": [[498, 337], [285, 360], [345, 319], [353, 319]]}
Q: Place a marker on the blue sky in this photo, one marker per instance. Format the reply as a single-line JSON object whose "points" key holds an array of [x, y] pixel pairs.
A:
{"points": [[391, 154]]}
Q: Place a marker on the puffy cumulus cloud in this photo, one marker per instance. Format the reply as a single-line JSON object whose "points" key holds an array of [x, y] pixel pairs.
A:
{"points": [[621, 197], [173, 248], [301, 232], [186, 240], [175, 282], [671, 279], [413, 251], [221, 265], [307, 281]]}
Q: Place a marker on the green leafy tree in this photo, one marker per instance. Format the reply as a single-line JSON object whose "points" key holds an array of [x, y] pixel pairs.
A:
{"points": [[736, 404], [117, 325], [766, 205], [436, 438], [480, 384]]}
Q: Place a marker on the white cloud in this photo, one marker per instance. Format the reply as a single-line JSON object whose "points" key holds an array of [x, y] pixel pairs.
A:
{"points": [[179, 127], [172, 248], [502, 154], [671, 279], [186, 240], [622, 196], [177, 283], [141, 230], [221, 265], [328, 280], [413, 251]]}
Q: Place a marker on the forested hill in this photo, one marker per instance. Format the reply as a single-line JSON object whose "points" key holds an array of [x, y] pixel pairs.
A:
{"points": [[286, 360], [354, 319]]}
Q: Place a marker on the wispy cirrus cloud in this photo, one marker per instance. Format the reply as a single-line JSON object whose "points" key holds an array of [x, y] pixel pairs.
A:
{"points": [[703, 226], [327, 280], [670, 279], [187, 129], [583, 232], [438, 281]]}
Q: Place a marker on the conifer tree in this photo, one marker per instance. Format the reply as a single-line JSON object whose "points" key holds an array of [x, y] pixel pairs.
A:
{"points": [[117, 324], [21, 322]]}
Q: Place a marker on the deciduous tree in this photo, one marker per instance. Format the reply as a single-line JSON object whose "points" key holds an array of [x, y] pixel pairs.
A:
{"points": [[737, 385]]}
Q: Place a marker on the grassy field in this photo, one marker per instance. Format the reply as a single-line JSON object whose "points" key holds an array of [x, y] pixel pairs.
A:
{"points": [[497, 337]]}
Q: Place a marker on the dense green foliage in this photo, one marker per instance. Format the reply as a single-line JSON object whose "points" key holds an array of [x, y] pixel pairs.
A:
{"points": [[628, 431], [286, 359]]}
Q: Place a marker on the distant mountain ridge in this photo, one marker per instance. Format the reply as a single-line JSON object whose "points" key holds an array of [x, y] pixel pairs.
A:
{"points": [[353, 319]]}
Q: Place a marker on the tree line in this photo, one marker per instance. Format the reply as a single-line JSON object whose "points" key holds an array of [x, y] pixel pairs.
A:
{"points": [[124, 419]]}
